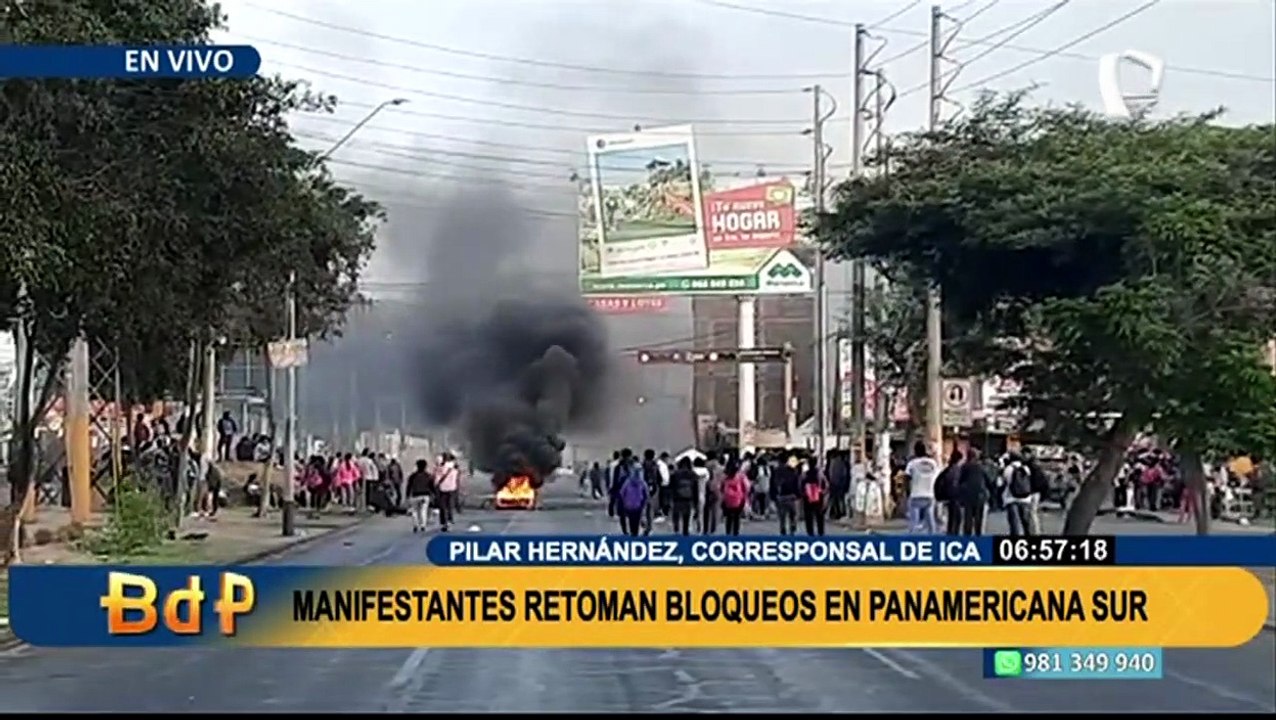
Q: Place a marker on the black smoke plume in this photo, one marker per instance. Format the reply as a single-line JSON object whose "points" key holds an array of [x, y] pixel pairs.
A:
{"points": [[513, 378]]}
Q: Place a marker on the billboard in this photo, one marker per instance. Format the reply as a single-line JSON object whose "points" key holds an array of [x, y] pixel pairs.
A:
{"points": [[651, 222], [628, 304]]}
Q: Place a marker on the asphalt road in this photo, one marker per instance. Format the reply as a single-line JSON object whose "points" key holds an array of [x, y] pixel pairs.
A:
{"points": [[34, 680]]}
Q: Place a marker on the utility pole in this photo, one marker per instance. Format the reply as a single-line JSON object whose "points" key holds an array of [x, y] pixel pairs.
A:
{"points": [[79, 453], [818, 117], [290, 432], [934, 307], [858, 435]]}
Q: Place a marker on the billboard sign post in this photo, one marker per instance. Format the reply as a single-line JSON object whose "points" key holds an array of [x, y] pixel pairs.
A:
{"points": [[648, 227]]}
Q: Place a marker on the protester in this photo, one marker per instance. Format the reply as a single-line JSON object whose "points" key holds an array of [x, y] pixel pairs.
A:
{"points": [[595, 481], [814, 492], [420, 490], [650, 471], [711, 500], [226, 430], [974, 486], [447, 483], [633, 499], [685, 491], [946, 492], [922, 471], [786, 486], [735, 496], [1017, 495]]}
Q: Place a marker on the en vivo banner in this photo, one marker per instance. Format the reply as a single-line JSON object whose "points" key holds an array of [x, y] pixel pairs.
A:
{"points": [[652, 223], [628, 305]]}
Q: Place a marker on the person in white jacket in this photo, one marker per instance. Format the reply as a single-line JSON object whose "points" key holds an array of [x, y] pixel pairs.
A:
{"points": [[447, 480]]}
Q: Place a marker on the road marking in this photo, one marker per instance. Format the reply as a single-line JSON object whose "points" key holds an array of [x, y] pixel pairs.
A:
{"points": [[890, 662], [409, 668], [412, 663], [956, 685], [1220, 691]]}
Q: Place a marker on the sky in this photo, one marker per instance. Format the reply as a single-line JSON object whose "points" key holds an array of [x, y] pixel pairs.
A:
{"points": [[501, 94]]}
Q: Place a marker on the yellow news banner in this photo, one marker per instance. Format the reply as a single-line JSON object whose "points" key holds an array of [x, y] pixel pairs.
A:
{"points": [[426, 606]]}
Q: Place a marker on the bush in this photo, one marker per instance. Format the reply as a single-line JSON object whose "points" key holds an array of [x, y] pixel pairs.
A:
{"points": [[137, 522]]}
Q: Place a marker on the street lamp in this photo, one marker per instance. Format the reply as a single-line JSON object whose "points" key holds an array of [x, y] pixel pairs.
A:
{"points": [[290, 438], [368, 118]]}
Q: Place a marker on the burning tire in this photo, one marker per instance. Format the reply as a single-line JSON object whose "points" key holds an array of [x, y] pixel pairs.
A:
{"points": [[516, 494]]}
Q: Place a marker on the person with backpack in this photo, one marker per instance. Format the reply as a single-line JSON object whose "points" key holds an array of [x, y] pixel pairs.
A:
{"points": [[1040, 491], [974, 487], [814, 492], [786, 487], [650, 472], [946, 492], [634, 500], [1017, 496], [712, 498], [684, 489], [735, 497]]}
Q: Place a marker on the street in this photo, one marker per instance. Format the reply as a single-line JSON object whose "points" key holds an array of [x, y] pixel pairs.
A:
{"points": [[759, 680]]}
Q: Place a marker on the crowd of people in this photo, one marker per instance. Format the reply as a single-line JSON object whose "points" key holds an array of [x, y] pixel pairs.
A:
{"points": [[697, 494]]}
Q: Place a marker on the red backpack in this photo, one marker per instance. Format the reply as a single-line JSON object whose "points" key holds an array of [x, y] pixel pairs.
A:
{"points": [[813, 492], [735, 492]]}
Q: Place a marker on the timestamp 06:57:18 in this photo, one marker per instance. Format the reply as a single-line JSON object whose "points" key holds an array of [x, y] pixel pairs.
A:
{"points": [[1047, 551]]}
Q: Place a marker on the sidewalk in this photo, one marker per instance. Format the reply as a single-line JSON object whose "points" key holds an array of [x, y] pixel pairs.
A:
{"points": [[233, 537], [1052, 523]]}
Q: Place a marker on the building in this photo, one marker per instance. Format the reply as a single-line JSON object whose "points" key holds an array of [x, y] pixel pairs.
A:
{"points": [[780, 319]]}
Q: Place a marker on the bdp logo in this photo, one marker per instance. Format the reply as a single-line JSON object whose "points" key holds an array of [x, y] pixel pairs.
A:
{"points": [[135, 605], [785, 271]]}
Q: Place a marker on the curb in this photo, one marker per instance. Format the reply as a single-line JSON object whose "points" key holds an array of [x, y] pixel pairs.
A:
{"points": [[15, 642]]}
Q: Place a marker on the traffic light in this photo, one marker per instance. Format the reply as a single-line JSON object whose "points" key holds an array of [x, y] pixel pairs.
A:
{"points": [[733, 355]]}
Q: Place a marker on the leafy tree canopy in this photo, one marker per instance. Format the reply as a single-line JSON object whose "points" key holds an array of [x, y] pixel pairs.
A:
{"points": [[1127, 268], [150, 214]]}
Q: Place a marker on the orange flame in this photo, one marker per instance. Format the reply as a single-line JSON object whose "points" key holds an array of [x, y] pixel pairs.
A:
{"points": [[517, 493]]}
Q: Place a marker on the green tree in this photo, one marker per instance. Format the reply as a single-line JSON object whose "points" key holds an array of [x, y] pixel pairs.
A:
{"points": [[1123, 271], [146, 215]]}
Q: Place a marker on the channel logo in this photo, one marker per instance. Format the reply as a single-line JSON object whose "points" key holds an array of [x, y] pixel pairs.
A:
{"points": [[134, 605]]}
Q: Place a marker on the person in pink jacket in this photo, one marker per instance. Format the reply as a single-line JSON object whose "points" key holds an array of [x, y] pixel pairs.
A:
{"points": [[345, 479]]}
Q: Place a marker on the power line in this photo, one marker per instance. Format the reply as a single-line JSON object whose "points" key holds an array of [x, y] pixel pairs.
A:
{"points": [[817, 19], [532, 61], [558, 127], [1051, 53], [572, 159], [419, 153], [629, 118], [1023, 26], [979, 12], [479, 180], [496, 79], [896, 14], [1019, 27], [719, 76]]}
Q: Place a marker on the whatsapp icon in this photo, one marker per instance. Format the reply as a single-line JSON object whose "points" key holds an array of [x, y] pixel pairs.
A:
{"points": [[1007, 663]]}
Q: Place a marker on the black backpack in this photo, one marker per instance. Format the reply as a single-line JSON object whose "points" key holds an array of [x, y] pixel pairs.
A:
{"points": [[684, 485], [946, 484], [651, 473], [1020, 482], [1040, 483]]}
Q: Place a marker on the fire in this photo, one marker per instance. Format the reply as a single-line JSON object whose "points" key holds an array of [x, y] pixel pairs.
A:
{"points": [[518, 493]]}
